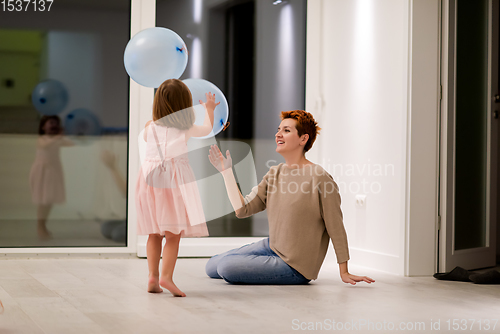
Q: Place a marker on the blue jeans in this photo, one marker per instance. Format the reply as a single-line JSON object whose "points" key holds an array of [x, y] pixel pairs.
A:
{"points": [[255, 263]]}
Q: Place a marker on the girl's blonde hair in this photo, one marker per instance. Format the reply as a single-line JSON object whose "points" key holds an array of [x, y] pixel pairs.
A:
{"points": [[173, 99]]}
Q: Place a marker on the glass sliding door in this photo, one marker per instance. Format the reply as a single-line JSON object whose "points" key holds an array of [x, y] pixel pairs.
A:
{"points": [[64, 127]]}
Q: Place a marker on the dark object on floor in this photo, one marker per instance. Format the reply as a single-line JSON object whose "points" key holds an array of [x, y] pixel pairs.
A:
{"points": [[119, 234], [489, 277], [115, 230], [457, 274], [108, 227]]}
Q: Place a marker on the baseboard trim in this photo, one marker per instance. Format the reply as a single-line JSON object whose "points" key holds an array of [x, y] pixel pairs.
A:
{"points": [[383, 262]]}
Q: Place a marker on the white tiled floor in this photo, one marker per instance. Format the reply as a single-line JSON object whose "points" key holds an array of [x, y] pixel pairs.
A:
{"points": [[108, 296]]}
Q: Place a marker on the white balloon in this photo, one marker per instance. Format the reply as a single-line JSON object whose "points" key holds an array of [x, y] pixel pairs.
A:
{"points": [[198, 88], [154, 55]]}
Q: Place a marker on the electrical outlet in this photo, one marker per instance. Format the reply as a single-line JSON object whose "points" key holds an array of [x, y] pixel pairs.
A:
{"points": [[360, 200]]}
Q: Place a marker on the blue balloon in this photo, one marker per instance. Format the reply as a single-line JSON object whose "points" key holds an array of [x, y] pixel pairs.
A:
{"points": [[198, 88], [49, 97], [154, 55], [82, 122]]}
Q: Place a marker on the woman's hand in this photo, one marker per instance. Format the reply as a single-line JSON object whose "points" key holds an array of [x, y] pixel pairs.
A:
{"points": [[352, 279], [218, 160], [210, 104]]}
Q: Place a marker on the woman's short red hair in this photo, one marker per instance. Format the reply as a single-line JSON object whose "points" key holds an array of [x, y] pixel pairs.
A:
{"points": [[305, 124]]}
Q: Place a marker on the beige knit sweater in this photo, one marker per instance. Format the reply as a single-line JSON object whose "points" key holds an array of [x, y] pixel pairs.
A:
{"points": [[303, 209]]}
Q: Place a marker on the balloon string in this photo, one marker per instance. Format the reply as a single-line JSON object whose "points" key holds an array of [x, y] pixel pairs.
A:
{"points": [[183, 49], [225, 126]]}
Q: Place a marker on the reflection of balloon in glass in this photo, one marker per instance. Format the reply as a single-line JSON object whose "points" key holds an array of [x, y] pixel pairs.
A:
{"points": [[198, 88], [49, 97], [154, 55], [82, 122]]}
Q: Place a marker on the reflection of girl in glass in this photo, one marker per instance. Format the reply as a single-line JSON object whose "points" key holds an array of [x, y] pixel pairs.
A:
{"points": [[46, 176]]}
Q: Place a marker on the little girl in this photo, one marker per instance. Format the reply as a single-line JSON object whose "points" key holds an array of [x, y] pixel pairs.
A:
{"points": [[46, 175], [170, 207]]}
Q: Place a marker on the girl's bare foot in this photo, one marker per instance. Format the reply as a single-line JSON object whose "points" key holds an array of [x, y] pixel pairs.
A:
{"points": [[170, 286], [43, 233], [154, 285]]}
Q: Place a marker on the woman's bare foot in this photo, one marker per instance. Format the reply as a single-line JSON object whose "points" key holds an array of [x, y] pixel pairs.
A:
{"points": [[170, 286], [154, 285], [43, 233]]}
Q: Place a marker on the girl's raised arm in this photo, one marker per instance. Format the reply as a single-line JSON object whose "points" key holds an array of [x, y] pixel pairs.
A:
{"points": [[203, 130]]}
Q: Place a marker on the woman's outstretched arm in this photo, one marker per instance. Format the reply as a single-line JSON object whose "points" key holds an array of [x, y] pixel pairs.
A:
{"points": [[233, 192], [224, 166], [243, 207]]}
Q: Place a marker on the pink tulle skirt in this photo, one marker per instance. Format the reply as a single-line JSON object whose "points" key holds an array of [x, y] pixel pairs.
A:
{"points": [[47, 183], [163, 209]]}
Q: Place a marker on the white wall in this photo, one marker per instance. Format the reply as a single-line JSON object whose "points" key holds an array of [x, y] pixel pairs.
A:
{"points": [[359, 88], [423, 139], [143, 14]]}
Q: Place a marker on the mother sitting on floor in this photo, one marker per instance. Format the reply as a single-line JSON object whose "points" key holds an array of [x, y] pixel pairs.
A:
{"points": [[303, 209]]}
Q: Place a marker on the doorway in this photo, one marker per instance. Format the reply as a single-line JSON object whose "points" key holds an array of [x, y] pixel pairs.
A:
{"points": [[469, 135]]}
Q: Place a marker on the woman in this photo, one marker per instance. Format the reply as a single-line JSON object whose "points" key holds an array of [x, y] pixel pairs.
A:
{"points": [[303, 208]]}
